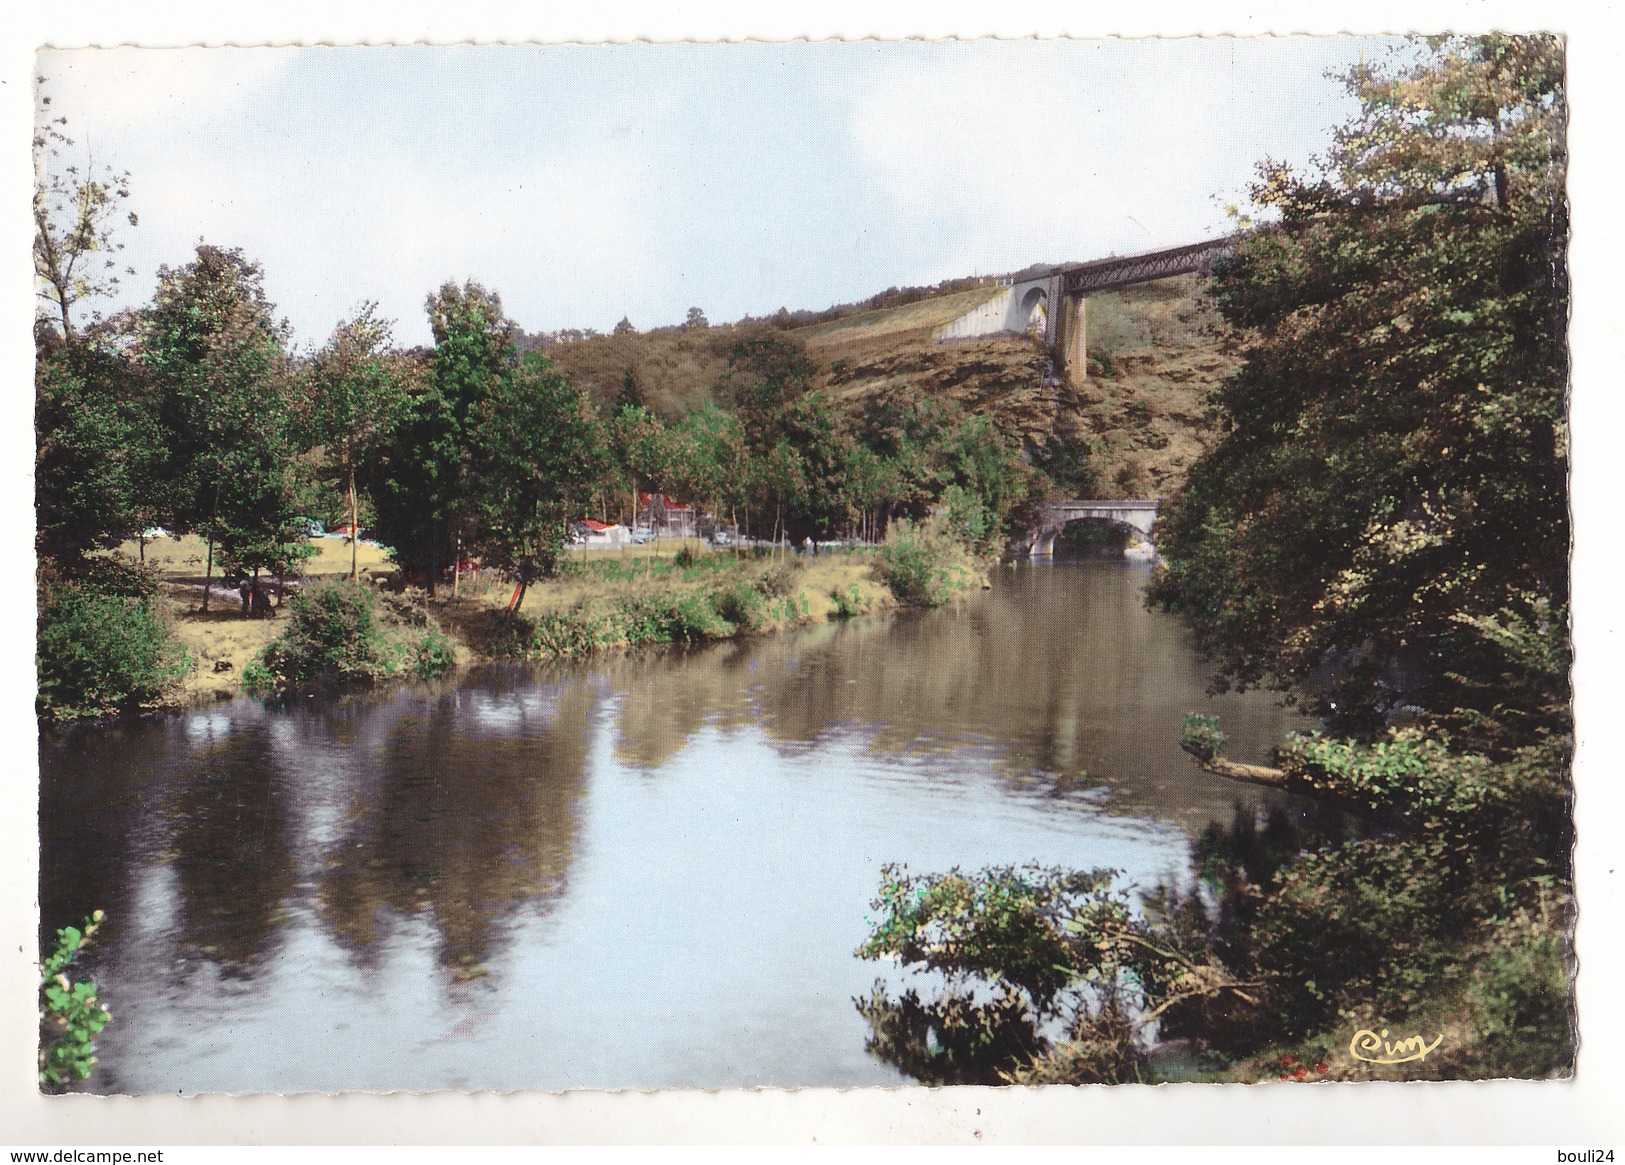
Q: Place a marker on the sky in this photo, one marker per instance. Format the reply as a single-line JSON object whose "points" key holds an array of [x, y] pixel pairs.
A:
{"points": [[584, 183]]}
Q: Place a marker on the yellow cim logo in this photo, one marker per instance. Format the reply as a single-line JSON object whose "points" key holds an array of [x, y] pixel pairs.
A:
{"points": [[1374, 1048]]}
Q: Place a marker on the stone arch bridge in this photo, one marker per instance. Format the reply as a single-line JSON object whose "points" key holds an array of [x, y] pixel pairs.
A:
{"points": [[1050, 518]]}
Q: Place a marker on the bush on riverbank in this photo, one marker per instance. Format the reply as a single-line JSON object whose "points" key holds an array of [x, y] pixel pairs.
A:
{"points": [[332, 635], [104, 646], [431, 655], [923, 564]]}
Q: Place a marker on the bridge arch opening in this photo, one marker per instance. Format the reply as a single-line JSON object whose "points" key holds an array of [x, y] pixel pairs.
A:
{"points": [[1033, 312], [1053, 519], [1098, 534]]}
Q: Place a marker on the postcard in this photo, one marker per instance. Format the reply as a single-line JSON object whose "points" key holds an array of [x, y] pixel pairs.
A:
{"points": [[805, 565]]}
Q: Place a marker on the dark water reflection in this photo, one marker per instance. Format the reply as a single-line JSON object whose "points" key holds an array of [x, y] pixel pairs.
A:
{"points": [[650, 871]]}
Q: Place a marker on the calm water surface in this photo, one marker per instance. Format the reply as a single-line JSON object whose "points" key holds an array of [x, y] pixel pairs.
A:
{"points": [[640, 872]]}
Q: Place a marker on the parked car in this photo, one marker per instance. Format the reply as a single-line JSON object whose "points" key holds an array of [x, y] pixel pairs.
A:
{"points": [[642, 534], [309, 527], [722, 538]]}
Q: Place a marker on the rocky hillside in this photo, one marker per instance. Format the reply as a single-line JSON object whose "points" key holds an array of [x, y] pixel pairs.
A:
{"points": [[1155, 353]]}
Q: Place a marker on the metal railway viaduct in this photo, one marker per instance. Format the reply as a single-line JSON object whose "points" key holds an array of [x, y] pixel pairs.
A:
{"points": [[1050, 305]]}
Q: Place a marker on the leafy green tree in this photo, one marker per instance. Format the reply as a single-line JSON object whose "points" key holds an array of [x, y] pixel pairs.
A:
{"points": [[358, 392], [1394, 469], [538, 453], [640, 449], [420, 483], [986, 481], [931, 452], [216, 354], [801, 449], [807, 468], [709, 461], [99, 447]]}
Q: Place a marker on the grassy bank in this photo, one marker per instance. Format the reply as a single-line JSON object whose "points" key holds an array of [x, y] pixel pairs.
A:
{"points": [[601, 599], [686, 593], [221, 642]]}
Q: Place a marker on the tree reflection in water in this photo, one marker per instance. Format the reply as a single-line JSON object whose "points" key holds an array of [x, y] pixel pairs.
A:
{"points": [[461, 843]]}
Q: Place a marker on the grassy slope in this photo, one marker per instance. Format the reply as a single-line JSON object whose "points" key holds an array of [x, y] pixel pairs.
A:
{"points": [[923, 317]]}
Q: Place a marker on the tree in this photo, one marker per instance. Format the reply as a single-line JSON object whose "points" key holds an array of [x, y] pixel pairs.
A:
{"points": [[708, 460], [696, 319], [100, 452], [986, 481], [216, 354], [75, 216], [537, 454], [624, 327], [358, 394], [800, 448], [641, 448], [420, 482], [1393, 476]]}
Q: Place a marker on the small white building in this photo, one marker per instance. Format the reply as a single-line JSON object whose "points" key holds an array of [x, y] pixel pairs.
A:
{"points": [[591, 533]]}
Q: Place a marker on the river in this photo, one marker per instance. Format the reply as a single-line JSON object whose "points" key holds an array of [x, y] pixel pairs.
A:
{"points": [[642, 871]]}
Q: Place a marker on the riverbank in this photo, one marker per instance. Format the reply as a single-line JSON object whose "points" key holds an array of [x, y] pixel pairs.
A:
{"points": [[678, 591], [687, 593]]}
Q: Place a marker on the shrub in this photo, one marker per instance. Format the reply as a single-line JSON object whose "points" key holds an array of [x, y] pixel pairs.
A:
{"points": [[559, 634], [679, 618], [1514, 814], [740, 603], [70, 1013], [1369, 920], [1201, 737], [849, 603], [100, 651], [684, 558], [921, 564], [332, 635], [779, 581], [1518, 1003], [431, 655]]}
